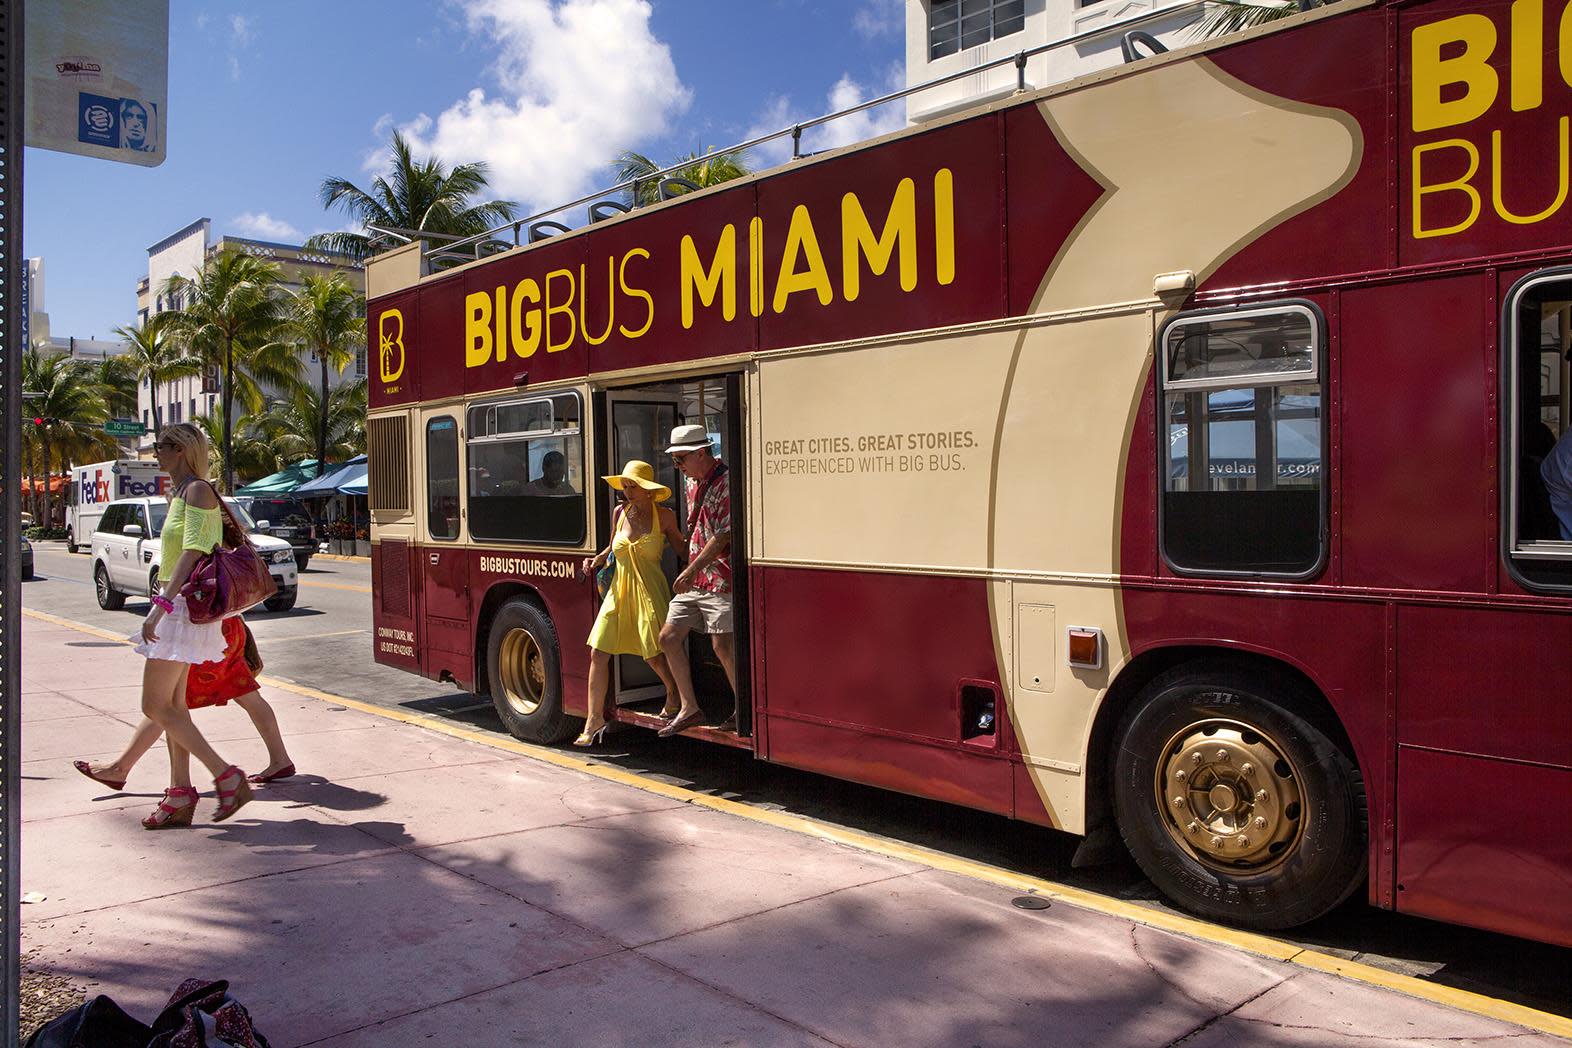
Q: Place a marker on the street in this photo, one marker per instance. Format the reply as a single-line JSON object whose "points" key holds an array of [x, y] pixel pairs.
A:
{"points": [[323, 644]]}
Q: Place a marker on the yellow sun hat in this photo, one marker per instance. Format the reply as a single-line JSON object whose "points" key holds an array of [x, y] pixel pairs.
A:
{"points": [[642, 474]]}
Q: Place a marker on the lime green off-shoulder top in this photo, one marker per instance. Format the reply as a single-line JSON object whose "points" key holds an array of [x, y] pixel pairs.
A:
{"points": [[187, 527]]}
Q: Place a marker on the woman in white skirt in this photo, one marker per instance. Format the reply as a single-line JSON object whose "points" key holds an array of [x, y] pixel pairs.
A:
{"points": [[172, 643]]}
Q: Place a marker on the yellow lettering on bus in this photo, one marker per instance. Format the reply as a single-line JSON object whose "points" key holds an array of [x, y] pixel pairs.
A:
{"points": [[1564, 45], [477, 329], [501, 315], [635, 292], [944, 225], [1471, 69], [858, 241], [756, 266], [1461, 185], [526, 325], [564, 306], [800, 240], [611, 301], [720, 275], [1528, 54], [1498, 175]]}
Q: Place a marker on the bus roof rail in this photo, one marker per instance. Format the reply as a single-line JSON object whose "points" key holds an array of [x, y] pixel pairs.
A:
{"points": [[631, 186]]}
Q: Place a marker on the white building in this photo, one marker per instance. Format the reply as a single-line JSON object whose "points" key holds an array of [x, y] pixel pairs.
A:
{"points": [[37, 316], [184, 253], [952, 36]]}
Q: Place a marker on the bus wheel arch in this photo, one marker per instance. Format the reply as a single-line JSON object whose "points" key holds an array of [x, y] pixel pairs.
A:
{"points": [[521, 665], [1234, 710]]}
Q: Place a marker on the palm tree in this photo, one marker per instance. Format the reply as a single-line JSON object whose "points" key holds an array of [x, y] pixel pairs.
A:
{"points": [[233, 312], [288, 420], [157, 358], [71, 401], [1230, 16], [722, 167], [415, 194], [328, 317], [253, 455]]}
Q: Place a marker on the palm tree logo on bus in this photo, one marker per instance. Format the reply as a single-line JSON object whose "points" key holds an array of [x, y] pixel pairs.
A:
{"points": [[390, 335]]}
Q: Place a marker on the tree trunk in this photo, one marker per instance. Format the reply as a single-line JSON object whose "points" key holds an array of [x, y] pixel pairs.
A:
{"points": [[49, 506], [229, 404], [153, 385], [322, 418], [32, 475]]}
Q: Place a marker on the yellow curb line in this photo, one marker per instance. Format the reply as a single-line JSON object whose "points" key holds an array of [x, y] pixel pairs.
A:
{"points": [[1249, 942], [335, 585], [339, 557]]}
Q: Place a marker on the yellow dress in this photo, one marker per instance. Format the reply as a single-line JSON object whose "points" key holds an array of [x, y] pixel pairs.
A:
{"points": [[635, 606]]}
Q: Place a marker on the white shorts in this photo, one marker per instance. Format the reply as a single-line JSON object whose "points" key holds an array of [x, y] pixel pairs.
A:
{"points": [[181, 640], [705, 612]]}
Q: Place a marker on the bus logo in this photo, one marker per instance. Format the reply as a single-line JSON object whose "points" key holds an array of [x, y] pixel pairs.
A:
{"points": [[390, 350]]}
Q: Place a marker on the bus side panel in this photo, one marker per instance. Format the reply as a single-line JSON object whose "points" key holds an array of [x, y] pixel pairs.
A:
{"points": [[1340, 645], [864, 672], [1485, 843], [1422, 463], [395, 606], [552, 580]]}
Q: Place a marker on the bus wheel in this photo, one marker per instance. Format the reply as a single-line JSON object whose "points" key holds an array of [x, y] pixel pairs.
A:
{"points": [[522, 667], [1238, 808]]}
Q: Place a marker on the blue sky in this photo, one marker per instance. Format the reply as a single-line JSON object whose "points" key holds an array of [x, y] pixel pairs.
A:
{"points": [[268, 98]]}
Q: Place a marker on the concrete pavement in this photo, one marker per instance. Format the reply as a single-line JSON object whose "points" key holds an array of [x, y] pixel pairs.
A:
{"points": [[413, 888]]}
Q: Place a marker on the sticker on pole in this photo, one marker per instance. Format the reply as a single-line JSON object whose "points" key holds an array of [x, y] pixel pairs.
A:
{"points": [[98, 78]]}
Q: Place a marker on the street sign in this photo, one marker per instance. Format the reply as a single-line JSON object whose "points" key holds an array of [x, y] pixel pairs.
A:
{"points": [[98, 78], [124, 427]]}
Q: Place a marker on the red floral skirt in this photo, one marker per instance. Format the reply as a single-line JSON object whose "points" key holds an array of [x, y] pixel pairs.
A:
{"points": [[215, 683]]}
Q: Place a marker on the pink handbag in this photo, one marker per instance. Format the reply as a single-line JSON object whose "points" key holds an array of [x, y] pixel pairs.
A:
{"points": [[228, 580]]}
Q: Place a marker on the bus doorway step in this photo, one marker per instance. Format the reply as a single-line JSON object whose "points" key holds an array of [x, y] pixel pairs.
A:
{"points": [[705, 732]]}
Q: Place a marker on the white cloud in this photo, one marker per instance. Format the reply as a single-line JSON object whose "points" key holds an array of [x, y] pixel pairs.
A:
{"points": [[580, 81], [265, 226], [857, 127], [201, 19], [240, 30], [875, 18]]}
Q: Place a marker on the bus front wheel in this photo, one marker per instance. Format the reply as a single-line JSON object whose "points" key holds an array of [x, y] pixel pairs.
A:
{"points": [[1236, 806], [522, 668]]}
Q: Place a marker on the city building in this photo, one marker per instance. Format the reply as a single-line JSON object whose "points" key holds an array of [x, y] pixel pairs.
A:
{"points": [[38, 333], [184, 253], [37, 318], [952, 36]]}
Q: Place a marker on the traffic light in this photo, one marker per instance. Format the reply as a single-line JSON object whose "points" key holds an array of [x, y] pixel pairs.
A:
{"points": [[45, 420]]}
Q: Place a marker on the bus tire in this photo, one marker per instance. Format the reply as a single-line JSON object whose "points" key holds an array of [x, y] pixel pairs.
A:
{"points": [[523, 669], [109, 598], [1238, 808]]}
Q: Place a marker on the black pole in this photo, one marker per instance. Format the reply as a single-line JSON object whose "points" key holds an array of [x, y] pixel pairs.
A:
{"points": [[13, 272], [229, 411]]}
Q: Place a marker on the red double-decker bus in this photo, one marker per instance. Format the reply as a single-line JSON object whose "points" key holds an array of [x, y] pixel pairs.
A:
{"points": [[1180, 451]]}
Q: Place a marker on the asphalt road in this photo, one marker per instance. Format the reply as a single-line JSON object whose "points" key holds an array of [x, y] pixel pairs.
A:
{"points": [[325, 643]]}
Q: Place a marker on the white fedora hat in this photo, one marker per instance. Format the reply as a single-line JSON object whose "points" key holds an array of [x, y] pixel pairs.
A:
{"points": [[688, 438]]}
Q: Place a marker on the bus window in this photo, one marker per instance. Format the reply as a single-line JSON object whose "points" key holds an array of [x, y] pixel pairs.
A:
{"points": [[442, 494], [1242, 459], [526, 470], [1537, 446]]}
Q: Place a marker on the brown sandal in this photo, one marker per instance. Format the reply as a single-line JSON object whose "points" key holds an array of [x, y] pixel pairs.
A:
{"points": [[230, 800], [167, 815]]}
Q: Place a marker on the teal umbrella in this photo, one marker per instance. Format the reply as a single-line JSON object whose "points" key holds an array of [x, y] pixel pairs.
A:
{"points": [[282, 482]]}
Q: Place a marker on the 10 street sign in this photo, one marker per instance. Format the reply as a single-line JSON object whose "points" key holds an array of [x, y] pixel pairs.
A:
{"points": [[124, 427]]}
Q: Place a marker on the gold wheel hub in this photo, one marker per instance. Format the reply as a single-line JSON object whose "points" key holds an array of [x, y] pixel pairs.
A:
{"points": [[522, 672], [1230, 796]]}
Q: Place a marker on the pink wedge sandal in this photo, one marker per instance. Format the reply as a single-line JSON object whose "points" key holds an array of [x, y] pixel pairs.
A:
{"points": [[238, 793]]}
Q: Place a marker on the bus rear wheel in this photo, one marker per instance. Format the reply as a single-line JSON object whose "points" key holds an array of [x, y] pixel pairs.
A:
{"points": [[1237, 807], [522, 667]]}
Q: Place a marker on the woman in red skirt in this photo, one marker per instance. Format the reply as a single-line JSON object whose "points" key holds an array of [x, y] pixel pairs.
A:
{"points": [[208, 684]]}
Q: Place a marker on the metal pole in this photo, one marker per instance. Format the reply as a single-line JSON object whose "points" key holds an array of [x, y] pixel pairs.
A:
{"points": [[13, 273]]}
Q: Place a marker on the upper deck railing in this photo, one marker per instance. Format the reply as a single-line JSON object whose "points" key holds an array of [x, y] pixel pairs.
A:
{"points": [[442, 249]]}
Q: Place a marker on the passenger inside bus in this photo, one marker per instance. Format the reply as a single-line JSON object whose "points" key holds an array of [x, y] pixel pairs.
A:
{"points": [[552, 481]]}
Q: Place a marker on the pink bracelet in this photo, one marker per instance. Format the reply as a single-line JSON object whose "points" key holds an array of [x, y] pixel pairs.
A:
{"points": [[164, 603]]}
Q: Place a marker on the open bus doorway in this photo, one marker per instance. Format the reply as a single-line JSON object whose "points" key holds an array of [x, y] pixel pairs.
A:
{"points": [[637, 425]]}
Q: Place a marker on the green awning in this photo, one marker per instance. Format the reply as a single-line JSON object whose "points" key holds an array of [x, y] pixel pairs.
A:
{"points": [[284, 481]]}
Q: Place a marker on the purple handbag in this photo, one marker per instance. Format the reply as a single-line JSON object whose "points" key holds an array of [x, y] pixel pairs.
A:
{"points": [[228, 580]]}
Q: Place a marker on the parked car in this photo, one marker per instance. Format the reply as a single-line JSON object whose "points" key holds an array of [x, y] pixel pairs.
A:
{"points": [[284, 518], [27, 558], [125, 553]]}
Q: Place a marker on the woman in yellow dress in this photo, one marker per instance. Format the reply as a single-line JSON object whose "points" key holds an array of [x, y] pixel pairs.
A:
{"points": [[634, 608]]}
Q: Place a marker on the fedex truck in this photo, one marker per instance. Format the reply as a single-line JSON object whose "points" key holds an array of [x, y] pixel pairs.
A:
{"points": [[97, 485]]}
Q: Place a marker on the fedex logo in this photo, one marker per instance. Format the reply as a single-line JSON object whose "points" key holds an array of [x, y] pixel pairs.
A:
{"points": [[131, 487]]}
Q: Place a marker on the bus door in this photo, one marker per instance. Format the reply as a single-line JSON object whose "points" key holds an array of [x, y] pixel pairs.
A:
{"points": [[638, 426]]}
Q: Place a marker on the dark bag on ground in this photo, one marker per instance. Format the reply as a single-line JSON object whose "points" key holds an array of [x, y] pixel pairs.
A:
{"points": [[100, 1023], [200, 1014], [230, 579]]}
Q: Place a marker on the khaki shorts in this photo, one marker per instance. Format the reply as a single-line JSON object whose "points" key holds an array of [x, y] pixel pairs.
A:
{"points": [[705, 612]]}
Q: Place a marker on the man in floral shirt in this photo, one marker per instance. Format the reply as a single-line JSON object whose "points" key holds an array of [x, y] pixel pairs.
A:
{"points": [[703, 590]]}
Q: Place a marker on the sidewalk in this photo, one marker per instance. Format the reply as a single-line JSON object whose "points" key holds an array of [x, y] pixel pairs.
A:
{"points": [[410, 888]]}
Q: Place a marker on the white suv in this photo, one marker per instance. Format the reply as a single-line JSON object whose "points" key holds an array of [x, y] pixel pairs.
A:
{"points": [[125, 553]]}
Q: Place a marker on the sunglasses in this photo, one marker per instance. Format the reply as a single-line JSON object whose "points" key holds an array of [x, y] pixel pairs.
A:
{"points": [[166, 445]]}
